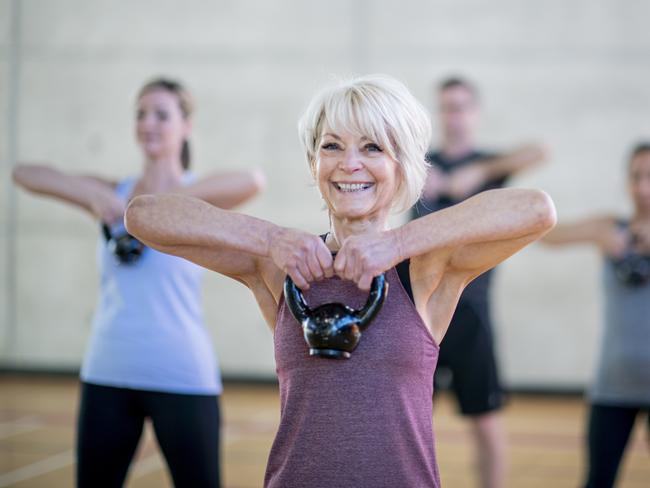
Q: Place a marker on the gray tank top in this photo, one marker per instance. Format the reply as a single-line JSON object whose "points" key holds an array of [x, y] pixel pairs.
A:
{"points": [[623, 372], [359, 422]]}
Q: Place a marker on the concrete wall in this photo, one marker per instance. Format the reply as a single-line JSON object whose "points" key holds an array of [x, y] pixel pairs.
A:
{"points": [[573, 74]]}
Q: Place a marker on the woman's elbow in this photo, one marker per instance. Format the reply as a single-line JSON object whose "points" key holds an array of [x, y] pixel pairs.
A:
{"points": [[545, 215], [258, 178], [136, 214], [19, 175]]}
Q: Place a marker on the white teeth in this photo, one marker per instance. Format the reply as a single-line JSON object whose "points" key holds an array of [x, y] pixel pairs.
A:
{"points": [[353, 186]]}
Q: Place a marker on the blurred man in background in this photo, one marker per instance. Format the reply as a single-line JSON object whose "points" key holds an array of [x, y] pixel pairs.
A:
{"points": [[459, 169]]}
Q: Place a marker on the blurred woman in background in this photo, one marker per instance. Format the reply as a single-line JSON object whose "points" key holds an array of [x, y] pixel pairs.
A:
{"points": [[621, 390], [149, 354]]}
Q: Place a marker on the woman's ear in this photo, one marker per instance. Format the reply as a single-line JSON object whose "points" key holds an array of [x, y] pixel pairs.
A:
{"points": [[313, 165]]}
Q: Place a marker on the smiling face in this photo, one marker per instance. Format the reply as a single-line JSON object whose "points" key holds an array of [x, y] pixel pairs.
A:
{"points": [[161, 126], [639, 182], [356, 176]]}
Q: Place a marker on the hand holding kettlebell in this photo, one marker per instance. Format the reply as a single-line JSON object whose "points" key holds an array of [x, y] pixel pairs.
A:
{"points": [[363, 257], [126, 248]]}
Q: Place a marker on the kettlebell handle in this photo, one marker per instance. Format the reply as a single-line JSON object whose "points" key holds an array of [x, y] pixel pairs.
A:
{"points": [[378, 290], [298, 306]]}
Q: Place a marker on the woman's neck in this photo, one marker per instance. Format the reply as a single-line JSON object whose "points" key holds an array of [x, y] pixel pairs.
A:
{"points": [[161, 175]]}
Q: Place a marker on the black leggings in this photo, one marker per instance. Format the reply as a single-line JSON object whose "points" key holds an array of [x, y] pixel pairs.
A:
{"points": [[110, 425], [608, 433]]}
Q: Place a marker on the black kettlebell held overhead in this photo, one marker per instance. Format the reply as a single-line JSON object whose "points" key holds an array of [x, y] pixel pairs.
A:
{"points": [[333, 330], [126, 248]]}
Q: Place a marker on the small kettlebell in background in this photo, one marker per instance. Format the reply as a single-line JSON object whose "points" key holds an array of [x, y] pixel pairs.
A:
{"points": [[126, 248]]}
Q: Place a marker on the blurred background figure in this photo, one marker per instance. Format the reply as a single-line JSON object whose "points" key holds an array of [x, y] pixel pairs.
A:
{"points": [[149, 355], [621, 389], [460, 169]]}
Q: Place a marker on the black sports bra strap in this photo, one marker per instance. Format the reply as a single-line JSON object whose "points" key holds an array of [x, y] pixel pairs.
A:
{"points": [[404, 274]]}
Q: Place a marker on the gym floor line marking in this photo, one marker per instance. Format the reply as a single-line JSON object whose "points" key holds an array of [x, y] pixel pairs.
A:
{"points": [[19, 426], [33, 470]]}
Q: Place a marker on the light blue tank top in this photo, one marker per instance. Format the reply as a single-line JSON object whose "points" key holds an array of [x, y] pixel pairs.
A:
{"points": [[148, 330], [623, 372]]}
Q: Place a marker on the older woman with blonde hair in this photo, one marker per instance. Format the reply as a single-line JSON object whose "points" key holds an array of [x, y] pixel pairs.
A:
{"points": [[366, 420]]}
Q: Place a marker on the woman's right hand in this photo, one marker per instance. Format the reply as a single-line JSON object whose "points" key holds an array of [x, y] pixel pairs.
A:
{"points": [[303, 256], [107, 207]]}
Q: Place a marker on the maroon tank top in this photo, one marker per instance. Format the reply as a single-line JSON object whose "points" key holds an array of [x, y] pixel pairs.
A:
{"points": [[359, 422]]}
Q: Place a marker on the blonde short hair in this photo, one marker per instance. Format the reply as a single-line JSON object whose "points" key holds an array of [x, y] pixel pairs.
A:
{"points": [[382, 109]]}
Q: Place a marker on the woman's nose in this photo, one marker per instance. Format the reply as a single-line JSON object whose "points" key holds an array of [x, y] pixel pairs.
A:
{"points": [[351, 161]]}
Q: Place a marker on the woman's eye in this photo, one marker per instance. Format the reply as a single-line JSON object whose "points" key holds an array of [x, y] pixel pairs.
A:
{"points": [[139, 115], [372, 147], [162, 116], [330, 146]]}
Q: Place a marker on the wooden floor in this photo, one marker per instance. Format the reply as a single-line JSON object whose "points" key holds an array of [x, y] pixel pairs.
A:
{"points": [[545, 434]]}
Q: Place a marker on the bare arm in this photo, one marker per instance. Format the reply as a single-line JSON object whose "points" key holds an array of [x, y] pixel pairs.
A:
{"points": [[450, 247], [467, 180], [600, 231], [227, 190], [252, 251], [92, 194], [479, 233], [522, 158], [457, 244]]}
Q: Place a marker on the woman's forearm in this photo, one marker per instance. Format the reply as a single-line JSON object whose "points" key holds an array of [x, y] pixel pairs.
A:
{"points": [[597, 230], [515, 161], [86, 192], [227, 190], [172, 220], [495, 215]]}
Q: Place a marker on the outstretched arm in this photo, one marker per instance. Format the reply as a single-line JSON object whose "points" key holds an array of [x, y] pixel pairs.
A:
{"points": [[520, 159], [236, 245], [228, 189], [477, 234], [467, 180], [601, 231], [466, 239], [451, 247], [92, 194]]}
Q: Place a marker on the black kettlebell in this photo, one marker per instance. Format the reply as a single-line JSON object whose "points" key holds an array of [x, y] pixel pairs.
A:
{"points": [[333, 330], [126, 248], [633, 269]]}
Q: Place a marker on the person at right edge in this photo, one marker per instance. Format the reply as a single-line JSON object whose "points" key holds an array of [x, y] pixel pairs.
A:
{"points": [[459, 170], [620, 392]]}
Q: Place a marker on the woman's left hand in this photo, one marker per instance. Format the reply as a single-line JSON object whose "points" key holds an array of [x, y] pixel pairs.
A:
{"points": [[641, 236], [361, 258]]}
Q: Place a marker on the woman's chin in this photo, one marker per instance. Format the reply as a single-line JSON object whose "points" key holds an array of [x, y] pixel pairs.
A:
{"points": [[352, 212]]}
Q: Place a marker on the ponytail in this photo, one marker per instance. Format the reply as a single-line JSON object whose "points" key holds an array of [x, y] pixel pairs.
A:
{"points": [[185, 155]]}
